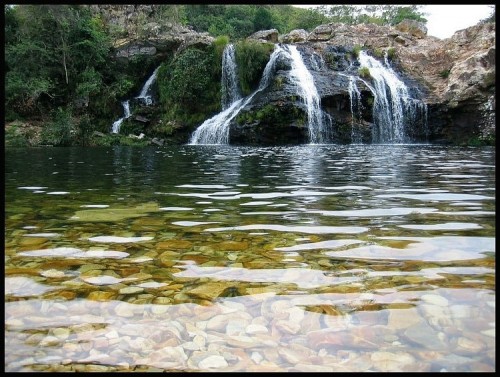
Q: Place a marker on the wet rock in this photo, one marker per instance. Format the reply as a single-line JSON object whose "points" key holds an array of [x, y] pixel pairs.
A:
{"points": [[424, 335]]}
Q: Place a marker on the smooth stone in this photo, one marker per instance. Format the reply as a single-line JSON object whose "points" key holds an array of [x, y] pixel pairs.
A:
{"points": [[435, 299], [466, 346], [213, 362], [131, 290], [61, 333], [256, 329], [403, 318], [256, 357], [421, 333]]}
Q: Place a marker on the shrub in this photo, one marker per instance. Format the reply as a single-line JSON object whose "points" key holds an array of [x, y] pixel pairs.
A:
{"points": [[59, 132], [251, 58], [189, 87], [391, 53], [378, 53], [14, 137], [355, 51], [364, 72], [445, 73]]}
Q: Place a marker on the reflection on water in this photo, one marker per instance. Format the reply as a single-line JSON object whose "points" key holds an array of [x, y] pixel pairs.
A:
{"points": [[312, 258]]}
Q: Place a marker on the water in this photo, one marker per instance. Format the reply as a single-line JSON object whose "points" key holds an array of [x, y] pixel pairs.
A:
{"points": [[126, 114], [317, 125], [217, 258], [394, 110], [355, 101], [145, 95], [230, 87], [215, 130]]}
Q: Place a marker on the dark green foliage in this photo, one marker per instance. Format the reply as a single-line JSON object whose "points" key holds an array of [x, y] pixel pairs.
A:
{"points": [[445, 73], [308, 19], [386, 14], [364, 72], [189, 88], [60, 131], [251, 58], [14, 137], [378, 53], [263, 19], [391, 53], [238, 21], [355, 51], [274, 116]]}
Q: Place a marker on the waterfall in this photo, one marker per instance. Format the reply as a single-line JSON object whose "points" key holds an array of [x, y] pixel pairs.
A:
{"points": [[145, 94], [216, 129], [318, 126], [355, 99], [229, 82], [317, 62], [393, 107], [126, 114]]}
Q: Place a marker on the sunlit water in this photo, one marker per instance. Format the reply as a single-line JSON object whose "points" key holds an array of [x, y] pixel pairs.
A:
{"points": [[312, 258]]}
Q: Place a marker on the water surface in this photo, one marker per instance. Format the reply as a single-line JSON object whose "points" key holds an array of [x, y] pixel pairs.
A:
{"points": [[314, 258]]}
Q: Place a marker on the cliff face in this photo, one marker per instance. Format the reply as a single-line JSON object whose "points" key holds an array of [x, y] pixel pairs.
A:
{"points": [[454, 77]]}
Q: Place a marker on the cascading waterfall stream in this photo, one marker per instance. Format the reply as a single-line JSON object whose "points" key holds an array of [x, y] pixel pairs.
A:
{"points": [[230, 89], [215, 130], [126, 114], [145, 95], [393, 108], [318, 125], [355, 100]]}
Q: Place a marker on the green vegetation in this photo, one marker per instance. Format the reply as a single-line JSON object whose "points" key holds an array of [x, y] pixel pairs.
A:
{"points": [[445, 73], [391, 53], [356, 50], [364, 72], [251, 58], [274, 115], [190, 93], [387, 14]]}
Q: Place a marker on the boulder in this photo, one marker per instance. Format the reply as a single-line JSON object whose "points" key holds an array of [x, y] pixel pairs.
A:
{"points": [[295, 36], [265, 36]]}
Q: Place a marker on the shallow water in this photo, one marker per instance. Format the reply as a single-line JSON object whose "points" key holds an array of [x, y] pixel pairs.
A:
{"points": [[218, 258]]}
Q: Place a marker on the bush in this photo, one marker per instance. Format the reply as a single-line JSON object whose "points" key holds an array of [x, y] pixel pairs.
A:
{"points": [[189, 93], [445, 73], [391, 53], [251, 58], [378, 53], [14, 137], [59, 132], [364, 72], [355, 50]]}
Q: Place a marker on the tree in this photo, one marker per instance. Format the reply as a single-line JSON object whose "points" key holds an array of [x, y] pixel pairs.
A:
{"points": [[263, 19]]}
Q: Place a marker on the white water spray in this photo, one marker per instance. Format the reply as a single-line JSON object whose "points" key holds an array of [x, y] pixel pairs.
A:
{"points": [[229, 81], [318, 125], [355, 100], [393, 108], [145, 94], [126, 114]]}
